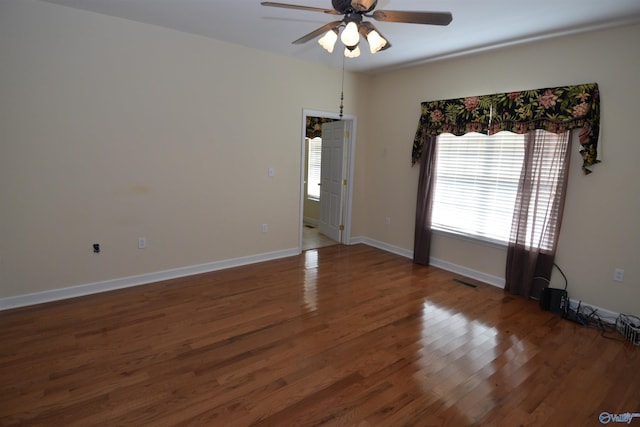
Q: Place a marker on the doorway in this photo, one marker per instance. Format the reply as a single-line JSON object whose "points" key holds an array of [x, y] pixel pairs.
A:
{"points": [[309, 236]]}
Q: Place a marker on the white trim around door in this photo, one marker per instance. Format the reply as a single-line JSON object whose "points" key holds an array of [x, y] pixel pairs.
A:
{"points": [[348, 173]]}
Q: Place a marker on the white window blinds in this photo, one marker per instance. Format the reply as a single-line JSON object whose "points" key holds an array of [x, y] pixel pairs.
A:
{"points": [[313, 173], [477, 178], [476, 183]]}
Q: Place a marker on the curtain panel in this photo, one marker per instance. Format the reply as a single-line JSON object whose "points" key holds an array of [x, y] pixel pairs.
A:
{"points": [[424, 205], [555, 110], [314, 126], [536, 219]]}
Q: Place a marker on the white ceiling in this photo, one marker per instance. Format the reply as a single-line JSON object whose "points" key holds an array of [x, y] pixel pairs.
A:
{"points": [[477, 25]]}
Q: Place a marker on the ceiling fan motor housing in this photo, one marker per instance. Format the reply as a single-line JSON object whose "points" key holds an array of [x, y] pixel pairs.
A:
{"points": [[348, 6]]}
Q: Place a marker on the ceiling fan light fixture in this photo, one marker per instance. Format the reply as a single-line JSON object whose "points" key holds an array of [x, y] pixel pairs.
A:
{"points": [[352, 52], [376, 41], [350, 36], [354, 12], [328, 41]]}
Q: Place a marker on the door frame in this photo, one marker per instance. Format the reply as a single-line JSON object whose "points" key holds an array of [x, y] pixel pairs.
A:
{"points": [[348, 170]]}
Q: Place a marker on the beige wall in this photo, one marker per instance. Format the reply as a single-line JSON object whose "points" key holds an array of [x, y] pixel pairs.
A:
{"points": [[112, 130], [600, 230]]}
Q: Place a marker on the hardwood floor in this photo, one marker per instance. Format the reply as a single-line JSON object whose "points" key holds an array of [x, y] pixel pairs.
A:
{"points": [[336, 336]]}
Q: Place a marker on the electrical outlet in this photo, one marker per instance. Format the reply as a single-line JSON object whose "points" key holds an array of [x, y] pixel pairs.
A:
{"points": [[618, 275], [264, 228], [387, 220], [96, 248], [142, 242]]}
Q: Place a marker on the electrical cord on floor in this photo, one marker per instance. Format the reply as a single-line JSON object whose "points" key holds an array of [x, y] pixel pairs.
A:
{"points": [[588, 316], [591, 319]]}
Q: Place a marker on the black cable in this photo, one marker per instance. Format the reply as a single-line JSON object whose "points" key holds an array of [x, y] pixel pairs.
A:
{"points": [[566, 282], [593, 320], [605, 327], [612, 328]]}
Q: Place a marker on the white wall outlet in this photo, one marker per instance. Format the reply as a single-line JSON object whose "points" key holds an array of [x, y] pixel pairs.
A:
{"points": [[142, 242], [271, 172], [387, 220], [618, 275], [264, 228]]}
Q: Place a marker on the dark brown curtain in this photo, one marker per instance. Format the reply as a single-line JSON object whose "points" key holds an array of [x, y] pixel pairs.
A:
{"points": [[536, 217], [422, 240]]}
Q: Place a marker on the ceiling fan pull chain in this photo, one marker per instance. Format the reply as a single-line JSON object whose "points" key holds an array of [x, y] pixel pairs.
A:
{"points": [[342, 90]]}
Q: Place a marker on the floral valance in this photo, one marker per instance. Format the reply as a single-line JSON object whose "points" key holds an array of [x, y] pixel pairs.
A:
{"points": [[314, 125], [555, 109]]}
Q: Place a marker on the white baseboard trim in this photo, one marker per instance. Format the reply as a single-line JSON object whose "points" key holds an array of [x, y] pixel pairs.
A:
{"points": [[468, 272], [142, 279], [382, 245], [310, 221], [445, 265], [606, 315], [490, 279]]}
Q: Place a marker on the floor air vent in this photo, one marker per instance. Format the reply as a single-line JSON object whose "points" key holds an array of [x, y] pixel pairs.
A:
{"points": [[462, 282]]}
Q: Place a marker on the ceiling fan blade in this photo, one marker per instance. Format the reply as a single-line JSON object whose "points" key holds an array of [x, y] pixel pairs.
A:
{"points": [[364, 29], [298, 7], [430, 18], [315, 33]]}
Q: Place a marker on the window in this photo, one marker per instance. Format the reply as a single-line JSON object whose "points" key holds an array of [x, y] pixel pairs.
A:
{"points": [[477, 178], [314, 159]]}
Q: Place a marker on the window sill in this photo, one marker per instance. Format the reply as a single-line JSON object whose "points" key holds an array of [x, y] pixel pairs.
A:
{"points": [[473, 239]]}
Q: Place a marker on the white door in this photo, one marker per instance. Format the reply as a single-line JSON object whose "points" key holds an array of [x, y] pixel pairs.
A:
{"points": [[334, 137]]}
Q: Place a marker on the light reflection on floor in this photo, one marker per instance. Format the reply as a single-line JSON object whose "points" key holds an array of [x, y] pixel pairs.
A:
{"points": [[456, 357], [311, 280], [460, 360]]}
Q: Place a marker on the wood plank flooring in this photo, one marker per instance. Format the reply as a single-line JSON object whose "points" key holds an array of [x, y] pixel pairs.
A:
{"points": [[342, 335]]}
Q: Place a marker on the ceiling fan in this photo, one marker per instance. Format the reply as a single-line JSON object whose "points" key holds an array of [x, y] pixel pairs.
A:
{"points": [[354, 25]]}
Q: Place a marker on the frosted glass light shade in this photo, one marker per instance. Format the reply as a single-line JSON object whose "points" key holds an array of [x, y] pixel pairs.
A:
{"points": [[376, 42], [354, 53], [350, 36], [328, 41]]}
